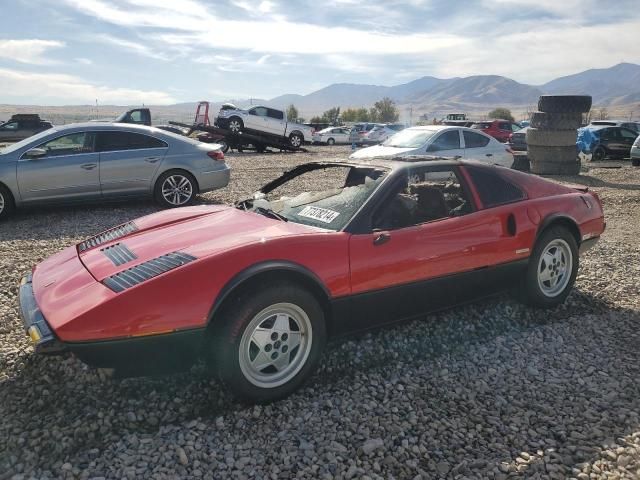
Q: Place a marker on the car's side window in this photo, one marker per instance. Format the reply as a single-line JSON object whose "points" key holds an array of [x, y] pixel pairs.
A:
{"points": [[449, 140], [115, 141], [259, 111], [10, 126], [492, 188], [628, 134], [276, 114], [515, 127], [504, 126], [423, 196], [72, 144], [474, 140]]}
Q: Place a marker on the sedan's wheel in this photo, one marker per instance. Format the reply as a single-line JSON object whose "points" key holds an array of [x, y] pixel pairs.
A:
{"points": [[331, 141], [235, 125], [267, 343], [295, 139], [552, 269], [599, 154], [175, 189], [6, 202], [224, 146]]}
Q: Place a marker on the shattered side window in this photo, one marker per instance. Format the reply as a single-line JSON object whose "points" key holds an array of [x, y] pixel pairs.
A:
{"points": [[326, 198]]}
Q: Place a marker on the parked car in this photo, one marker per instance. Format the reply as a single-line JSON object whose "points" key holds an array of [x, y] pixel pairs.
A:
{"points": [[264, 120], [360, 131], [100, 161], [635, 150], [518, 140], [612, 142], [22, 126], [332, 135], [256, 289], [380, 133], [498, 129], [440, 140], [635, 126]]}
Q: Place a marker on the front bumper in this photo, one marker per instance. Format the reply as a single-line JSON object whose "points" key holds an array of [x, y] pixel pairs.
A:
{"points": [[36, 326]]}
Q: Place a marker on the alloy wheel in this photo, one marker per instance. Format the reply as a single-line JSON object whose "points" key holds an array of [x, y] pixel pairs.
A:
{"points": [[554, 268], [177, 190], [2, 203], [275, 345], [296, 141], [234, 126]]}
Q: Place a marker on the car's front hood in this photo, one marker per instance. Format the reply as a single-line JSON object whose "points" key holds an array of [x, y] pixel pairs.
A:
{"points": [[381, 151], [199, 231]]}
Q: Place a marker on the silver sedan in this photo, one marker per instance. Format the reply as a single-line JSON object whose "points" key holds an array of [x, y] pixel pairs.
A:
{"points": [[94, 161]]}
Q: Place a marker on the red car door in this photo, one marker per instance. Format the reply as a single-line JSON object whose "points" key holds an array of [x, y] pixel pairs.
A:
{"points": [[443, 253]]}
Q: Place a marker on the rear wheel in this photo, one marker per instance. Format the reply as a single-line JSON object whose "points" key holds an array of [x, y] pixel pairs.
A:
{"points": [[268, 342], [599, 154], [295, 139], [175, 188], [6, 202], [552, 269], [331, 141]]}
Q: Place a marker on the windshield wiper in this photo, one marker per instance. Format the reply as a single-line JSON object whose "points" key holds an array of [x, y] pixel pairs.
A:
{"points": [[267, 212]]}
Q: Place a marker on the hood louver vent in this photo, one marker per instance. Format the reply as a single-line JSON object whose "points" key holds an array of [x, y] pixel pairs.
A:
{"points": [[109, 235], [118, 253], [147, 270]]}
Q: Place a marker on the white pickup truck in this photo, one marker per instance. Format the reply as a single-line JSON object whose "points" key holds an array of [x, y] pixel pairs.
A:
{"points": [[264, 120]]}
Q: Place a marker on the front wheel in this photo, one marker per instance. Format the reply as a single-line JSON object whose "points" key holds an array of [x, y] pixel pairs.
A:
{"points": [[268, 342], [295, 139], [175, 189], [552, 269], [236, 125], [331, 141], [6, 202]]}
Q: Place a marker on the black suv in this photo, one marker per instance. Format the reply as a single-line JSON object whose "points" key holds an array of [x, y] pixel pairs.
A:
{"points": [[22, 126]]}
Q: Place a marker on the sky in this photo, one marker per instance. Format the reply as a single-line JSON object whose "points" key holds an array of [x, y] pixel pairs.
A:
{"points": [[130, 52]]}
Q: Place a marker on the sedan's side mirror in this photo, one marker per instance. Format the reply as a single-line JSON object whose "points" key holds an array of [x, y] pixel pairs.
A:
{"points": [[35, 153]]}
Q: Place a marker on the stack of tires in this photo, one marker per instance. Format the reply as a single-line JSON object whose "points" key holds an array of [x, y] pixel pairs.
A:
{"points": [[551, 139]]}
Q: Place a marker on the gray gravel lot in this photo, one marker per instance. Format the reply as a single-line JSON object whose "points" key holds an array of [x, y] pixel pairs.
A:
{"points": [[491, 390]]}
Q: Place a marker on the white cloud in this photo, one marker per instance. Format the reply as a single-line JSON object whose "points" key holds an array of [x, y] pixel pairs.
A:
{"points": [[84, 61], [43, 88], [137, 48], [28, 51]]}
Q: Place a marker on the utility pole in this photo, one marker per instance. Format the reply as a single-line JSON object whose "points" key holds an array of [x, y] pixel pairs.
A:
{"points": [[410, 115]]}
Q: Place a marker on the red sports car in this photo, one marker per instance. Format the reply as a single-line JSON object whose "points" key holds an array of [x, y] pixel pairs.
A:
{"points": [[325, 249]]}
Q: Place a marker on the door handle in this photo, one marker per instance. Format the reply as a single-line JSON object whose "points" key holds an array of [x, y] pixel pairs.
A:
{"points": [[152, 159], [89, 166], [381, 237]]}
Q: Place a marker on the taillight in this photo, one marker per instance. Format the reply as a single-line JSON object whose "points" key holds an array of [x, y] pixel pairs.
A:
{"points": [[216, 155]]}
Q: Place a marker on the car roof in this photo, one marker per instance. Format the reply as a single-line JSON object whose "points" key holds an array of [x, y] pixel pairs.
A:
{"points": [[93, 126]]}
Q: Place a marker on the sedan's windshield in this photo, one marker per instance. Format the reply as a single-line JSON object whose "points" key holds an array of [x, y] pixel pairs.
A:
{"points": [[320, 195], [410, 138], [27, 141]]}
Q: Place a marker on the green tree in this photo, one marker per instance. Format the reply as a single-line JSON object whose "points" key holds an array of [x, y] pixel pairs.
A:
{"points": [[292, 112], [317, 119], [331, 115], [502, 114], [385, 111]]}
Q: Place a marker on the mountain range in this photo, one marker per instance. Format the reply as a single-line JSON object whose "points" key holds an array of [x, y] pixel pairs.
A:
{"points": [[614, 86]]}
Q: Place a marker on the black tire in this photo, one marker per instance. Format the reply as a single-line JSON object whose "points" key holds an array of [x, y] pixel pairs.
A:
{"points": [[599, 154], [531, 292], [564, 103], [260, 148], [552, 154], [192, 189], [331, 141], [226, 339], [296, 140], [555, 168], [236, 125], [556, 121], [551, 138], [7, 205], [521, 163], [224, 146]]}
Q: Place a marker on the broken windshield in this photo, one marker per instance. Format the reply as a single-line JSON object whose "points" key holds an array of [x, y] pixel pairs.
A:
{"points": [[320, 195]]}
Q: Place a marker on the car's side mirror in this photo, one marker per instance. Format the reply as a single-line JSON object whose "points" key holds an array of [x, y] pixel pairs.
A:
{"points": [[35, 153]]}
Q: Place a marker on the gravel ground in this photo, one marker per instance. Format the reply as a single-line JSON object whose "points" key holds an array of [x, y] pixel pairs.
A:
{"points": [[492, 390]]}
